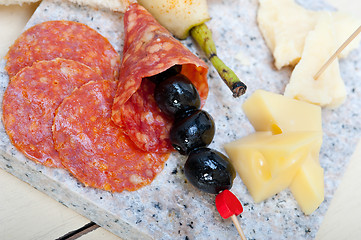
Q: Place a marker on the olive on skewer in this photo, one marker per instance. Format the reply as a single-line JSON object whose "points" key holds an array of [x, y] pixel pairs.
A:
{"points": [[192, 131], [176, 95], [166, 74], [209, 170], [196, 129]]}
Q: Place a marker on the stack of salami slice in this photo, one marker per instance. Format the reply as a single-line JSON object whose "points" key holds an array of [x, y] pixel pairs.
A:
{"points": [[72, 104]]}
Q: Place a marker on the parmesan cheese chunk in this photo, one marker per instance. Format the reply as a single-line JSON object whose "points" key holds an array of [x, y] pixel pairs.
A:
{"points": [[329, 89], [285, 25], [345, 25]]}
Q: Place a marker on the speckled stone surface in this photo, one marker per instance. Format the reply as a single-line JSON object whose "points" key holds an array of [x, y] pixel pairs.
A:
{"points": [[170, 208]]}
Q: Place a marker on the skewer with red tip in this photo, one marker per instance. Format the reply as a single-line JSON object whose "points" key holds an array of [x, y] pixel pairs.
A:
{"points": [[207, 169], [228, 205]]}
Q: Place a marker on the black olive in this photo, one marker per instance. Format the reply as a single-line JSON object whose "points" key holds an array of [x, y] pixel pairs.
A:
{"points": [[194, 131], [166, 74], [176, 95], [209, 170]]}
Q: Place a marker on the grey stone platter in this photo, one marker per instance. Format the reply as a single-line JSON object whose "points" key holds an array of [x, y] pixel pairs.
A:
{"points": [[170, 208]]}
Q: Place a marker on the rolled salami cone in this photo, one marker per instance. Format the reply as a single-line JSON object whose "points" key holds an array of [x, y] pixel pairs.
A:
{"points": [[149, 49]]}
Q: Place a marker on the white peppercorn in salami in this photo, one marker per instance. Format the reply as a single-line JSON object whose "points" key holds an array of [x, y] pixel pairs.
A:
{"points": [[150, 49], [94, 149], [31, 99], [63, 39]]}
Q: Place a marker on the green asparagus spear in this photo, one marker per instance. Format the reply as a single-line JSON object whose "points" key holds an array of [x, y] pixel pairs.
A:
{"points": [[203, 36]]}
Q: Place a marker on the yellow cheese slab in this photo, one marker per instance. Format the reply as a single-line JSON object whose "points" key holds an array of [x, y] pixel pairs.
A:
{"points": [[277, 113], [267, 163], [274, 112], [308, 186]]}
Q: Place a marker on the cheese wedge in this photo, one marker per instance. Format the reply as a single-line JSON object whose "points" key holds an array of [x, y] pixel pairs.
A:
{"points": [[269, 111], [276, 113], [329, 89], [268, 163], [308, 186]]}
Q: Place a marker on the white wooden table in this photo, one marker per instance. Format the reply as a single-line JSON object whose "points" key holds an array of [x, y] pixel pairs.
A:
{"points": [[26, 213]]}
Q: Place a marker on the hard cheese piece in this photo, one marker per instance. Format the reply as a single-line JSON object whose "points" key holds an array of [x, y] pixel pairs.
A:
{"points": [[345, 25], [329, 89], [308, 185], [285, 25], [267, 163], [277, 113], [178, 16], [274, 112]]}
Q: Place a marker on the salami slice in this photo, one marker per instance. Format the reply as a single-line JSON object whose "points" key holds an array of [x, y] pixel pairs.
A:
{"points": [[94, 149], [64, 39], [30, 102], [144, 122], [150, 49]]}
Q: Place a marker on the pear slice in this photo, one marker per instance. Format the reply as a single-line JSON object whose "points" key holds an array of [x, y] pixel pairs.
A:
{"points": [[178, 16], [183, 18]]}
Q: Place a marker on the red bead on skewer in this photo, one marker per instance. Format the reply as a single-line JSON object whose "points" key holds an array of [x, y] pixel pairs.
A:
{"points": [[228, 205]]}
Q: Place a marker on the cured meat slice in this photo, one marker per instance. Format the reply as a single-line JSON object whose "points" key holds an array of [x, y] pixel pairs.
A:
{"points": [[144, 122], [63, 39], [94, 149], [150, 49], [31, 99]]}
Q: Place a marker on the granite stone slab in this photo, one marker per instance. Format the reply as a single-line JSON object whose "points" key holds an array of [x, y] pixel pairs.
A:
{"points": [[170, 208]]}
